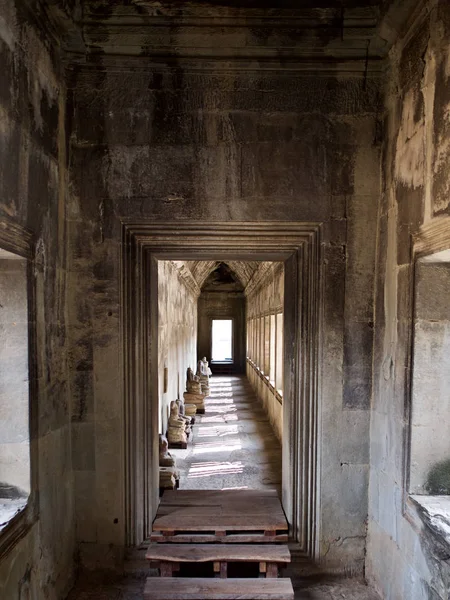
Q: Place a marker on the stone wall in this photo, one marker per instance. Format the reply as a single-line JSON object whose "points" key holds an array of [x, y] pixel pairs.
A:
{"points": [[163, 144], [33, 186], [267, 299], [404, 560], [177, 347]]}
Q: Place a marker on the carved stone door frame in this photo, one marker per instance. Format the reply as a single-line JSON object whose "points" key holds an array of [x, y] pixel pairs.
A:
{"points": [[298, 245]]}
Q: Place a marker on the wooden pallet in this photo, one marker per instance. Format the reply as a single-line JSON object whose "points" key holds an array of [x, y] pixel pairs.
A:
{"points": [[167, 557], [194, 588], [221, 516]]}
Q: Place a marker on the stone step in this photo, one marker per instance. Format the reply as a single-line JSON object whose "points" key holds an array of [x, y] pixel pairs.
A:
{"points": [[195, 588]]}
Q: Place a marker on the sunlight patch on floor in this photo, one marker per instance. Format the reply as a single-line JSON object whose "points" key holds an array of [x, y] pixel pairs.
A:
{"points": [[211, 448], [222, 418], [232, 444], [209, 469], [218, 430]]}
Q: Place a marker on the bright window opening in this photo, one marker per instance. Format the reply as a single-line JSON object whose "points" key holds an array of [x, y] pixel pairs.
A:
{"points": [[279, 353], [222, 340], [272, 348], [14, 387], [266, 366]]}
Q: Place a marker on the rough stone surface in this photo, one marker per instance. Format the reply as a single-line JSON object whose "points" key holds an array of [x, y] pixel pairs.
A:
{"points": [[233, 444], [177, 343], [403, 559], [34, 195]]}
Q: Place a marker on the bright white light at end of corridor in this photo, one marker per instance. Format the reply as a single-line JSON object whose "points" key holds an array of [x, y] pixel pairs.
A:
{"points": [[222, 340]]}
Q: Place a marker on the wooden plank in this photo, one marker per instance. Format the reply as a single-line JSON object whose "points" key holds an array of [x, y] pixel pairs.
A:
{"points": [[220, 510], [182, 521], [215, 497], [218, 552], [272, 570], [206, 538], [195, 588], [165, 569], [212, 497], [270, 533], [257, 506]]}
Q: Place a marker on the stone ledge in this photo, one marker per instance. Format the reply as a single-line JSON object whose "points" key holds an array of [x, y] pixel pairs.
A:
{"points": [[435, 513]]}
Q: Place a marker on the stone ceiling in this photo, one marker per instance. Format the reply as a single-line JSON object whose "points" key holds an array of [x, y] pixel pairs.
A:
{"points": [[250, 273], [230, 30], [205, 34]]}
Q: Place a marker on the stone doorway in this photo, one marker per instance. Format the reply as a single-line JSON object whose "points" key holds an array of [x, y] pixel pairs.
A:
{"points": [[298, 246]]}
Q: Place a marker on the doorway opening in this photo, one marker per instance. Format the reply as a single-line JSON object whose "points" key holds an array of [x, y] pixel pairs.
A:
{"points": [[15, 469], [222, 340], [233, 440], [298, 247]]}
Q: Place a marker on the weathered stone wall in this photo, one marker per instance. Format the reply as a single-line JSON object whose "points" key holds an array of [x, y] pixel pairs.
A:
{"points": [[402, 557], [33, 178], [219, 144], [267, 298], [177, 344]]}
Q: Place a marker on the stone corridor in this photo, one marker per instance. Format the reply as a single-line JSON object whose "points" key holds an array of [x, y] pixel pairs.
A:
{"points": [[232, 445]]}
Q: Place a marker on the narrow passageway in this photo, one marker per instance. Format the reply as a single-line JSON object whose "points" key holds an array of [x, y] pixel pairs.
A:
{"points": [[232, 445]]}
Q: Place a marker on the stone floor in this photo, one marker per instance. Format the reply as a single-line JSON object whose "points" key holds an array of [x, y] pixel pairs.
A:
{"points": [[232, 445], [96, 587]]}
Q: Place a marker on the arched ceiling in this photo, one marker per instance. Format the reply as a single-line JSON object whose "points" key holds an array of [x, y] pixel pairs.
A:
{"points": [[249, 273], [244, 270]]}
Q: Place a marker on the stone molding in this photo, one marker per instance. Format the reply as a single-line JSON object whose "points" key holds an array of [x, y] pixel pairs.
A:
{"points": [[186, 277], [432, 237], [299, 246], [259, 275], [17, 239]]}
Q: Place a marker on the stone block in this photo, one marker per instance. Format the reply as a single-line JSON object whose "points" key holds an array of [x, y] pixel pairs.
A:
{"points": [[433, 290], [83, 446], [85, 506], [358, 340], [108, 490], [290, 169], [354, 496], [355, 436]]}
